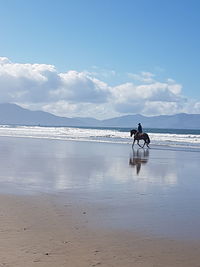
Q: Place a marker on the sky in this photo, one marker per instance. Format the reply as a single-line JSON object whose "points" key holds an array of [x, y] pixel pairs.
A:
{"points": [[101, 58]]}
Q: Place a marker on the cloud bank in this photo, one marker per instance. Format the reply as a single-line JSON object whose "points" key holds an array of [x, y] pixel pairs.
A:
{"points": [[41, 86]]}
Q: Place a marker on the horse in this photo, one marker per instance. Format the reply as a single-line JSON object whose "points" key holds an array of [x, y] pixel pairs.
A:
{"points": [[140, 136]]}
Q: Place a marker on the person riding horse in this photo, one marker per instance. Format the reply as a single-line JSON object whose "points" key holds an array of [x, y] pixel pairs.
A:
{"points": [[139, 135]]}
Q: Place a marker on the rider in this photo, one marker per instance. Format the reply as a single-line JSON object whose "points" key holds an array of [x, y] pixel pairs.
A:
{"points": [[139, 128]]}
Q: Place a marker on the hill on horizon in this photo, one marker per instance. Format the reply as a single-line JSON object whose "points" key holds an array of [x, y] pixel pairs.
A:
{"points": [[15, 115]]}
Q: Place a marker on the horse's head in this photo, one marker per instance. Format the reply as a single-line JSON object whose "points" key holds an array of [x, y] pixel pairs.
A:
{"points": [[132, 132]]}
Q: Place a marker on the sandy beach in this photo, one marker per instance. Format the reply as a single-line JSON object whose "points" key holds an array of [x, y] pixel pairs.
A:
{"points": [[79, 204]]}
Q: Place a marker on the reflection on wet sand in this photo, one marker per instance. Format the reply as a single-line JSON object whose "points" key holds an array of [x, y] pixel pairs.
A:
{"points": [[138, 158], [156, 191], [32, 165]]}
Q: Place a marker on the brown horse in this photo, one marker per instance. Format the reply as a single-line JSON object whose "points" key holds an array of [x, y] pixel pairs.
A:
{"points": [[140, 136]]}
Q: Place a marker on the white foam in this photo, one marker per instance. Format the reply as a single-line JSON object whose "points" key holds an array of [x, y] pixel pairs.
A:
{"points": [[97, 135]]}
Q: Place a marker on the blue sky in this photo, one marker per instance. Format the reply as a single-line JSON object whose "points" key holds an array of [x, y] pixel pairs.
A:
{"points": [[105, 54]]}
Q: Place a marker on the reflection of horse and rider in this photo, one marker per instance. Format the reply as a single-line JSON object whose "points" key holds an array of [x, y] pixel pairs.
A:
{"points": [[139, 158], [139, 135]]}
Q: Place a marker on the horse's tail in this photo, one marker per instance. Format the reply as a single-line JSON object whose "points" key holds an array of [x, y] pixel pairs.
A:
{"points": [[148, 139]]}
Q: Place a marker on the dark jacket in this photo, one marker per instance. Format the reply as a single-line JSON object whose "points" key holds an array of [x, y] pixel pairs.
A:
{"points": [[139, 128]]}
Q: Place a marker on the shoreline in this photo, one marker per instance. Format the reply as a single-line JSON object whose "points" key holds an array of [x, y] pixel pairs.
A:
{"points": [[183, 141], [128, 144]]}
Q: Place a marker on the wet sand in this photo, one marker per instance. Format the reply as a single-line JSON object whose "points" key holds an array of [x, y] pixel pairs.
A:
{"points": [[91, 204]]}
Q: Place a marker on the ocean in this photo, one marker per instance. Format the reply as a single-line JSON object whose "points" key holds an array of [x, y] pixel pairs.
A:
{"points": [[176, 138]]}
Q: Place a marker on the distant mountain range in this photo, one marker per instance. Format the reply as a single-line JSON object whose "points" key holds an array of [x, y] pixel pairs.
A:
{"points": [[16, 115]]}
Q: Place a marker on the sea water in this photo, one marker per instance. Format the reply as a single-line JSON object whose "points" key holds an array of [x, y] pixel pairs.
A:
{"points": [[178, 138]]}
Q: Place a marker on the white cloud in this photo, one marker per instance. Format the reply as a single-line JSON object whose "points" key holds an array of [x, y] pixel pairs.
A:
{"points": [[159, 107], [4, 60], [41, 86], [148, 99], [145, 77], [36, 83], [102, 73], [26, 82], [80, 87], [65, 108]]}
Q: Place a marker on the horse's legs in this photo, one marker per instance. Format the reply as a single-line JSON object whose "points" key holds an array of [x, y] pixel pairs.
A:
{"points": [[138, 143], [133, 143], [147, 143]]}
